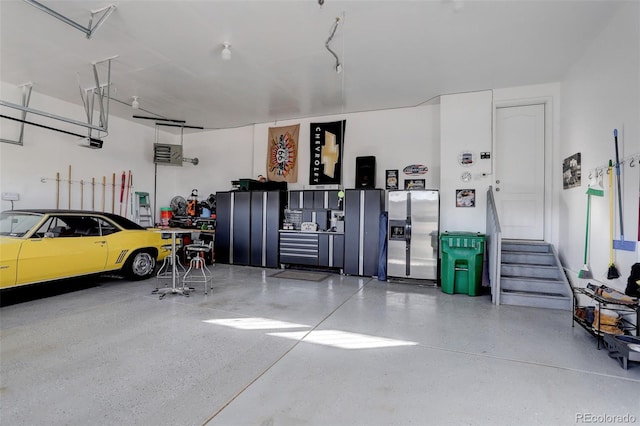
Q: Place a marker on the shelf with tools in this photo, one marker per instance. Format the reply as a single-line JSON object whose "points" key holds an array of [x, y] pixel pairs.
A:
{"points": [[591, 317]]}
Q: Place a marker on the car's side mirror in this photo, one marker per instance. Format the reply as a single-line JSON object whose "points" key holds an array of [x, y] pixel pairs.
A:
{"points": [[49, 235]]}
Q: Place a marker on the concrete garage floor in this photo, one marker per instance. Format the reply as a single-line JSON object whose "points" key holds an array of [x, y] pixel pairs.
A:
{"points": [[115, 354]]}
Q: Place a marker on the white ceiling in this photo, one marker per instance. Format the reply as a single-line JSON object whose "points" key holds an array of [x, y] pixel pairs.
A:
{"points": [[394, 53]]}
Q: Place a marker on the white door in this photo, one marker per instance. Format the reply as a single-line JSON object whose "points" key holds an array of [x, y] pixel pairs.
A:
{"points": [[519, 171]]}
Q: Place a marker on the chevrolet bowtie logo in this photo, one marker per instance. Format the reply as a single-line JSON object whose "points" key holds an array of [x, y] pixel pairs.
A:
{"points": [[330, 154]]}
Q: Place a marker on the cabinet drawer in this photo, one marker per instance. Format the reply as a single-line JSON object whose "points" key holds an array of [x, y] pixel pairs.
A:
{"points": [[298, 260], [299, 248]]}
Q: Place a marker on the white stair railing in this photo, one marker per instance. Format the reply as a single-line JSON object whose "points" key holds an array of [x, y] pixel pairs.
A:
{"points": [[493, 246]]}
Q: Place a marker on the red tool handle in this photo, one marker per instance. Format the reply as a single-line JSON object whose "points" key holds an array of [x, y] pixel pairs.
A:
{"points": [[124, 178]]}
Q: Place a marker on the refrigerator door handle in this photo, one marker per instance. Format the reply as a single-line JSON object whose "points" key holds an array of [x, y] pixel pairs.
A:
{"points": [[407, 238], [407, 231]]}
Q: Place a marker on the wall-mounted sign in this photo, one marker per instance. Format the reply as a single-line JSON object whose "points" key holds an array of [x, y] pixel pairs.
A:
{"points": [[326, 141], [415, 170], [465, 197], [391, 181], [466, 158], [414, 184]]}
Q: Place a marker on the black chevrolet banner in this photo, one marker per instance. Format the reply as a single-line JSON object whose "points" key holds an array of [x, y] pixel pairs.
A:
{"points": [[326, 153]]}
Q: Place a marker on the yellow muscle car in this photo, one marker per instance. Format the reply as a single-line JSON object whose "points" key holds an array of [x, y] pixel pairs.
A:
{"points": [[46, 245]]}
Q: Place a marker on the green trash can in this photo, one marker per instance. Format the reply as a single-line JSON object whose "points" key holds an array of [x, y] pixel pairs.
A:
{"points": [[462, 257]]}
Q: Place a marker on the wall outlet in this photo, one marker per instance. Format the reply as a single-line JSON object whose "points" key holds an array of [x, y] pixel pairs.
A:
{"points": [[10, 196]]}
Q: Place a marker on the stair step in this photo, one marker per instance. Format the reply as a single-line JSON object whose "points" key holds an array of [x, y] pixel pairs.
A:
{"points": [[528, 258], [530, 271], [528, 246], [541, 285], [536, 300]]}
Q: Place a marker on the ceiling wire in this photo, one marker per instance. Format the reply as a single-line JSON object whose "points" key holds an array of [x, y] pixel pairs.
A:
{"points": [[338, 68], [342, 76]]}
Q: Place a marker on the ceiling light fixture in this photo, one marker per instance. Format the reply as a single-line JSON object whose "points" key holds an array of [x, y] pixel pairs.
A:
{"points": [[226, 52], [135, 104]]}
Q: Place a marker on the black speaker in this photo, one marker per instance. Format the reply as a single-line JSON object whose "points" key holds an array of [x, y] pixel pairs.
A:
{"points": [[366, 172]]}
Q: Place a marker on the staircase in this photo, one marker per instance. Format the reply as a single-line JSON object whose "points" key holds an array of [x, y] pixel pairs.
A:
{"points": [[531, 275]]}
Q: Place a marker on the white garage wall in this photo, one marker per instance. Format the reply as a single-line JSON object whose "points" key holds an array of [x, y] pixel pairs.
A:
{"points": [[129, 146], [466, 126], [602, 92], [223, 155], [397, 138]]}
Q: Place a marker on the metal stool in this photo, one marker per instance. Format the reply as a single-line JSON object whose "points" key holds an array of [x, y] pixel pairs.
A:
{"points": [[197, 263], [166, 269]]}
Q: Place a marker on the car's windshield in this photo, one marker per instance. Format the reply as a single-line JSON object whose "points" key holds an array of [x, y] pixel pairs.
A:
{"points": [[17, 224]]}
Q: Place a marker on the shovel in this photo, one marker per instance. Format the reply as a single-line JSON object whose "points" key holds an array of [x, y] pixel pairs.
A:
{"points": [[620, 244]]}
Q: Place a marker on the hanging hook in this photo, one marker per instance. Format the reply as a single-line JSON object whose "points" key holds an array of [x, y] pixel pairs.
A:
{"points": [[632, 163]]}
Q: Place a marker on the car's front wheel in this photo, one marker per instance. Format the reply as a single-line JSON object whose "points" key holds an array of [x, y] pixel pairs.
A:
{"points": [[140, 266]]}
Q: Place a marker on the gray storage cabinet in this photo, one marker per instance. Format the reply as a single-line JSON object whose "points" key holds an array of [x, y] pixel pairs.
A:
{"points": [[314, 199], [222, 241], [247, 224], [362, 208]]}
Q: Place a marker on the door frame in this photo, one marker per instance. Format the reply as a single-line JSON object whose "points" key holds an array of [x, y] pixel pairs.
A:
{"points": [[549, 131]]}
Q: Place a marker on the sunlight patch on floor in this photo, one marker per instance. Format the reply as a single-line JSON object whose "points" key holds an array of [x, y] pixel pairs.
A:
{"points": [[254, 323], [343, 339]]}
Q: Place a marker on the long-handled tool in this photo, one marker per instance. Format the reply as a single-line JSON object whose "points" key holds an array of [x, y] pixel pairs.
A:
{"points": [[585, 272], [124, 178], [126, 200], [596, 190], [104, 189], [81, 194], [612, 272], [113, 193], [57, 190], [69, 186], [621, 244]]}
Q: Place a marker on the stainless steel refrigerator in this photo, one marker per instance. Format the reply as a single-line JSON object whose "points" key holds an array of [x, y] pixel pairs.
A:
{"points": [[412, 235]]}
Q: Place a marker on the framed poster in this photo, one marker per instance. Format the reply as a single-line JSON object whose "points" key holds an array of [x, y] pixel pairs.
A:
{"points": [[391, 181], [414, 183], [571, 171], [465, 197]]}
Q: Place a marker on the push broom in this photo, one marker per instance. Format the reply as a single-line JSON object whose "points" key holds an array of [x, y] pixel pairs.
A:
{"points": [[621, 244], [597, 191], [612, 272]]}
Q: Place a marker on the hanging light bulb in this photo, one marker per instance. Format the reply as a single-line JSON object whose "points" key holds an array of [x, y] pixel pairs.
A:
{"points": [[226, 52], [135, 104]]}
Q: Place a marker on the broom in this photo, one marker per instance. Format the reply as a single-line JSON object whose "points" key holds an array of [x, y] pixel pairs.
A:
{"points": [[612, 273], [596, 190]]}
